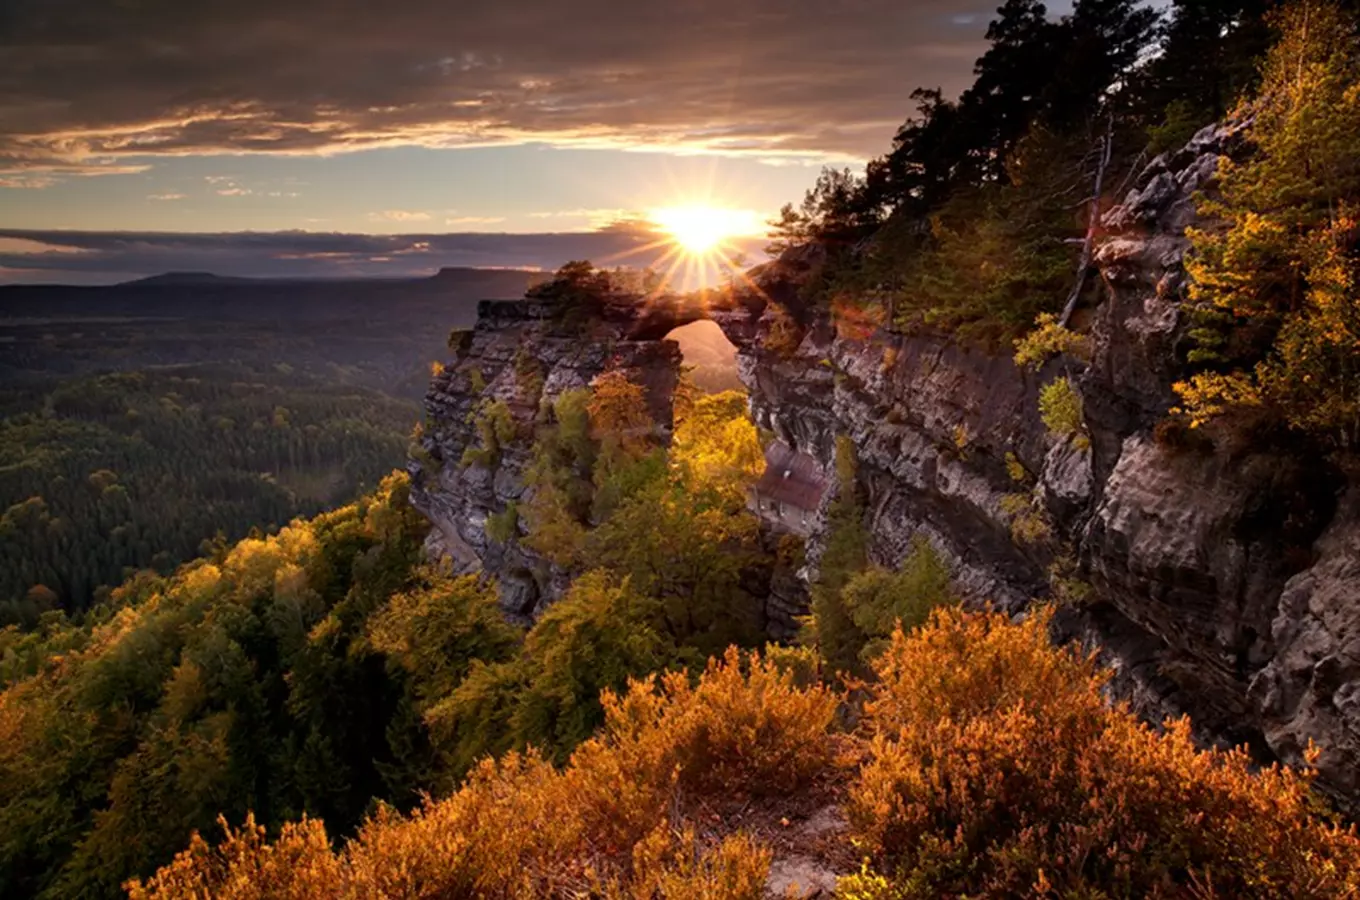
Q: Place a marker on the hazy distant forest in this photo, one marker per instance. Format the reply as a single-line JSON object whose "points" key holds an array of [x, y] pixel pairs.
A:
{"points": [[336, 698], [145, 422]]}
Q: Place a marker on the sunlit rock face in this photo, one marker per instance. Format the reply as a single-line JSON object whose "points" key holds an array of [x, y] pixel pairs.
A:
{"points": [[1223, 584]]}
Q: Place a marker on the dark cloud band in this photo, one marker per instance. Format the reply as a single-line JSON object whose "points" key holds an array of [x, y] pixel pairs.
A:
{"points": [[74, 256], [85, 80]]}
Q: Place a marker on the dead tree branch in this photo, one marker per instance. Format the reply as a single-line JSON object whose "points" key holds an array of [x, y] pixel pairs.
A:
{"points": [[1093, 219]]}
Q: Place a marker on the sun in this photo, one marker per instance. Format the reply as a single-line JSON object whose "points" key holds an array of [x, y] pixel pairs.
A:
{"points": [[703, 230]]}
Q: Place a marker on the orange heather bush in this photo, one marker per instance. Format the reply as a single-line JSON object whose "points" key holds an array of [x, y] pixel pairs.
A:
{"points": [[603, 826], [752, 730], [668, 865], [998, 769]]}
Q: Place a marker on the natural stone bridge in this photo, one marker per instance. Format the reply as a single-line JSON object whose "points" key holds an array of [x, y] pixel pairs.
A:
{"points": [[522, 353]]}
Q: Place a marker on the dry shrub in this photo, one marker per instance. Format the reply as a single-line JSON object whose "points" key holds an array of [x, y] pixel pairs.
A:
{"points": [[784, 336], [998, 769], [500, 835], [741, 728], [297, 866], [669, 864], [603, 826]]}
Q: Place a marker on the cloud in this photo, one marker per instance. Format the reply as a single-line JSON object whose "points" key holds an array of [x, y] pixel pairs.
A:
{"points": [[474, 220], [165, 196], [229, 186], [28, 175], [589, 218], [400, 215], [77, 256], [87, 82], [27, 182], [12, 247]]}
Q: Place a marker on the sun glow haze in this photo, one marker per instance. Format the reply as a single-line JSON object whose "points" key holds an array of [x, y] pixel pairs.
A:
{"points": [[702, 230], [703, 244]]}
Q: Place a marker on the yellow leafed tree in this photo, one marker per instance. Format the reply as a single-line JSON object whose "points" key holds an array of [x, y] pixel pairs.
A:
{"points": [[1278, 311]]}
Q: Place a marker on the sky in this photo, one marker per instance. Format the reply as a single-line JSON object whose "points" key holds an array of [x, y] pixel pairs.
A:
{"points": [[350, 137]]}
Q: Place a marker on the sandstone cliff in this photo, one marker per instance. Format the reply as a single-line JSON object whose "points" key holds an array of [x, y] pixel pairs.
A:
{"points": [[1220, 583]]}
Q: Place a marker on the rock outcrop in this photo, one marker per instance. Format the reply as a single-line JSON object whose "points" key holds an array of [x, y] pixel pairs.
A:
{"points": [[520, 356], [1217, 583]]}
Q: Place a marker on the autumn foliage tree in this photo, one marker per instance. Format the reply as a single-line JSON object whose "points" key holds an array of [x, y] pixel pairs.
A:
{"points": [[1276, 287]]}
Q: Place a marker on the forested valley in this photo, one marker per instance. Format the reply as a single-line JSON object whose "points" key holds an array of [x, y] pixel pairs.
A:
{"points": [[145, 423], [103, 475]]}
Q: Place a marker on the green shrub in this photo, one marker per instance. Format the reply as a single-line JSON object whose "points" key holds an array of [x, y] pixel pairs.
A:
{"points": [[436, 632], [495, 427], [1029, 522], [503, 527], [881, 601], [528, 376], [830, 627], [1060, 407]]}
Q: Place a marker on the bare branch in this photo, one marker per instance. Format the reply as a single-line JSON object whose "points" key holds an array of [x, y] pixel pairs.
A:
{"points": [[1091, 220]]}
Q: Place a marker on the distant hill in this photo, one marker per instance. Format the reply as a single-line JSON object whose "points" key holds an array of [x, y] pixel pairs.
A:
{"points": [[188, 278], [383, 333], [206, 294]]}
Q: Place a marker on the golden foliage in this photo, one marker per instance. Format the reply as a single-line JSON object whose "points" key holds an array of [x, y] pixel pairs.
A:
{"points": [[1277, 293], [716, 446], [999, 769], [520, 828], [1047, 340], [618, 409], [961, 437]]}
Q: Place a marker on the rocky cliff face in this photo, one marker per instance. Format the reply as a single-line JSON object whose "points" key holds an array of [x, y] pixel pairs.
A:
{"points": [[1217, 583], [519, 354]]}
